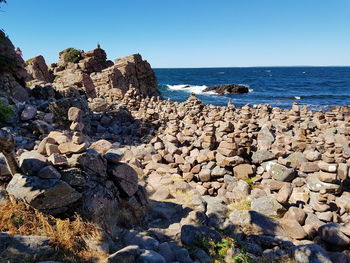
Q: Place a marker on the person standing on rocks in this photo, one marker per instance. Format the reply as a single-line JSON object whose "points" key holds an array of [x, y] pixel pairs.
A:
{"points": [[19, 52]]}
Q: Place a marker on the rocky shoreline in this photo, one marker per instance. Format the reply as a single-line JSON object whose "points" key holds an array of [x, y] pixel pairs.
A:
{"points": [[184, 182]]}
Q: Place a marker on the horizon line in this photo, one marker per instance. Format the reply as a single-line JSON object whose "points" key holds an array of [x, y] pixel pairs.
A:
{"points": [[291, 66]]}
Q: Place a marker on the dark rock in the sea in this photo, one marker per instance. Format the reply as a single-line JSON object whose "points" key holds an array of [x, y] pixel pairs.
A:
{"points": [[228, 89]]}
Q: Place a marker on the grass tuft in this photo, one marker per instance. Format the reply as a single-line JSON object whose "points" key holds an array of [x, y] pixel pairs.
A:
{"points": [[68, 237]]}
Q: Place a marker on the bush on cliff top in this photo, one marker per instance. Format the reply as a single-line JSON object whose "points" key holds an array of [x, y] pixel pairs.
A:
{"points": [[72, 55]]}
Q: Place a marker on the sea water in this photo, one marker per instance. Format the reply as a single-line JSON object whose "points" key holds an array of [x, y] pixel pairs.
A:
{"points": [[317, 87]]}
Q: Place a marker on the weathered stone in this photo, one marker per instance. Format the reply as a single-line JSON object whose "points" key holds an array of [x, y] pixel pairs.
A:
{"points": [[256, 221], [193, 235], [125, 177], [128, 72], [297, 214], [49, 172], [296, 159], [57, 159], [92, 163], [311, 253], [309, 167], [261, 156], [243, 171], [128, 254], [332, 234], [32, 162], [293, 228], [327, 177], [314, 184], [331, 168], [28, 112], [284, 193], [38, 70], [101, 146], [70, 147], [22, 246], [75, 114], [43, 194], [343, 171], [268, 206], [150, 256], [280, 172]]}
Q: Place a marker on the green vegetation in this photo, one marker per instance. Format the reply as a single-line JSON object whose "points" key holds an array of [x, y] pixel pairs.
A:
{"points": [[17, 221], [72, 55], [219, 251], [250, 180], [6, 112], [242, 258], [240, 205]]}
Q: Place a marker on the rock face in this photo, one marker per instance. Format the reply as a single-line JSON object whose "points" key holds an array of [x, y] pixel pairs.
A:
{"points": [[12, 72], [38, 70], [228, 89], [128, 72], [95, 76], [42, 194]]}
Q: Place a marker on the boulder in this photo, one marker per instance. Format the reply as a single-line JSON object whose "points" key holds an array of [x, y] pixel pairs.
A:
{"points": [[267, 206], [280, 172], [125, 177], [42, 194], [332, 234], [127, 254], [310, 253], [128, 72], [228, 89], [38, 70], [194, 235], [91, 163], [261, 156], [20, 246], [32, 162]]}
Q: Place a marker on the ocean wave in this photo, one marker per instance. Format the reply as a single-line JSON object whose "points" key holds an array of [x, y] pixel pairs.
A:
{"points": [[197, 89], [190, 88]]}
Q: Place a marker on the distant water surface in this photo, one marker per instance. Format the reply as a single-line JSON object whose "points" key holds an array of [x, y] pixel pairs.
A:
{"points": [[317, 87]]}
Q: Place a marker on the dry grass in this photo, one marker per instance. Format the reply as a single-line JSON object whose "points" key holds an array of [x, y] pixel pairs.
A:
{"points": [[68, 237], [242, 204]]}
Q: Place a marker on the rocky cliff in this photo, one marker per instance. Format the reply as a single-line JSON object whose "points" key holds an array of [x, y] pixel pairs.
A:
{"points": [[12, 72], [90, 73]]}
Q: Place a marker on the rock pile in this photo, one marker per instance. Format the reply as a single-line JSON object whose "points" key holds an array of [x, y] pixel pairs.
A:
{"points": [[277, 181], [88, 177], [281, 173]]}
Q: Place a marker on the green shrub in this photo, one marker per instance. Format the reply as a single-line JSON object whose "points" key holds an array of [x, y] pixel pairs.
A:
{"points": [[219, 251], [6, 112], [72, 55]]}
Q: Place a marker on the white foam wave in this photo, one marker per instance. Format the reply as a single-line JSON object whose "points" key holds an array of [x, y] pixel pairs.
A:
{"points": [[190, 88], [197, 89], [297, 97]]}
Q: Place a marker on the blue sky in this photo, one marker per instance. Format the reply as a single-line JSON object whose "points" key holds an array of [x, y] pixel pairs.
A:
{"points": [[186, 33]]}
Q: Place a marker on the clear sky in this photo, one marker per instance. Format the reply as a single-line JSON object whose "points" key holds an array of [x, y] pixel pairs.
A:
{"points": [[186, 33]]}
